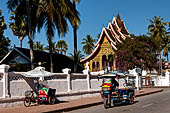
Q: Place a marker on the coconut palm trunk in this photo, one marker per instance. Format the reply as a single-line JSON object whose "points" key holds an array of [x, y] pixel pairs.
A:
{"points": [[20, 43], [51, 52], [30, 35], [21, 39], [75, 43]]}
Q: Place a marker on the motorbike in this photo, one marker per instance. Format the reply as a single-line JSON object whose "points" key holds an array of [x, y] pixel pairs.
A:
{"points": [[30, 97], [111, 93]]}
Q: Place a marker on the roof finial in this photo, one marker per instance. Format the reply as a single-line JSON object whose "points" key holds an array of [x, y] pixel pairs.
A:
{"points": [[113, 15], [118, 16]]}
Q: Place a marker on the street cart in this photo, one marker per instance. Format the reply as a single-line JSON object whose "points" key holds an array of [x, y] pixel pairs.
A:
{"points": [[41, 93]]}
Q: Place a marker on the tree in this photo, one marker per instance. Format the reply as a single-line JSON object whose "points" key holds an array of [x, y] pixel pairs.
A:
{"points": [[80, 56], [53, 14], [62, 46], [38, 46], [88, 44], [18, 27], [26, 9], [157, 30], [166, 46], [53, 46], [137, 51], [75, 26], [4, 41]]}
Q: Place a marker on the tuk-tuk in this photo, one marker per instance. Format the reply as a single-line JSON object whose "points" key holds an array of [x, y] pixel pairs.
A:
{"points": [[113, 90]]}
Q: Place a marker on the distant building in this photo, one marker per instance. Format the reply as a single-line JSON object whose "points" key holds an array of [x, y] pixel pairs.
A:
{"points": [[103, 55], [19, 60]]}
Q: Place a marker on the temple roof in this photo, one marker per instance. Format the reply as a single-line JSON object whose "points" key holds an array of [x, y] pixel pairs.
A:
{"points": [[115, 33]]}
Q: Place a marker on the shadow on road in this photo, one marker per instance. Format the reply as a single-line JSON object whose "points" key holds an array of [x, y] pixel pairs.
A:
{"points": [[122, 104]]}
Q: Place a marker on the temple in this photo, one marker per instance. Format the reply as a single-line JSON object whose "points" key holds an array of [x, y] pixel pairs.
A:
{"points": [[104, 53]]}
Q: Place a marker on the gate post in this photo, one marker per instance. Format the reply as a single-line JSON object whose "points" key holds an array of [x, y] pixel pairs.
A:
{"points": [[68, 72], [4, 69], [88, 78]]}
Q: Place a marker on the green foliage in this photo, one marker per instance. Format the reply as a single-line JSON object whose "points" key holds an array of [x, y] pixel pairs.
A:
{"points": [[2, 23], [137, 51], [159, 32], [62, 46], [18, 26], [4, 41], [38, 46], [88, 44], [80, 56]]}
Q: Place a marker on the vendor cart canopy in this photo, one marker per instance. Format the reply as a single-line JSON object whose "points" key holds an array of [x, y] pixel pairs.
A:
{"points": [[37, 72]]}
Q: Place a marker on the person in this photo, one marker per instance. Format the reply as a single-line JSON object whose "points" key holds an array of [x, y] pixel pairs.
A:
{"points": [[115, 83]]}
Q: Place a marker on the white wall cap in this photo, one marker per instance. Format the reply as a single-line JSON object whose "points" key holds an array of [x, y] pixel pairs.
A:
{"points": [[66, 70]]}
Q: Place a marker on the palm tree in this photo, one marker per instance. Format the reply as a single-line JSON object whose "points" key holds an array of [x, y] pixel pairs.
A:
{"points": [[2, 23], [158, 32], [75, 37], [4, 41], [62, 46], [53, 46], [18, 27], [54, 14], [38, 46], [80, 56], [22, 9], [88, 44]]}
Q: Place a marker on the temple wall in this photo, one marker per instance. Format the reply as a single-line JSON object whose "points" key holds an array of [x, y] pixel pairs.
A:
{"points": [[106, 49]]}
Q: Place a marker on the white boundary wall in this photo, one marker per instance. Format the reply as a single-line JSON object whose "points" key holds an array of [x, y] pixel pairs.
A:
{"points": [[13, 84]]}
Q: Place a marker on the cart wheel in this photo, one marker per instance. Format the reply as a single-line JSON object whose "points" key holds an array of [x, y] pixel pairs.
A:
{"points": [[51, 100], [27, 101], [132, 100], [37, 102], [106, 104]]}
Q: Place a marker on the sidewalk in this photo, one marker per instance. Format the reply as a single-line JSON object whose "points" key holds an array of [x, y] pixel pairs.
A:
{"points": [[71, 104]]}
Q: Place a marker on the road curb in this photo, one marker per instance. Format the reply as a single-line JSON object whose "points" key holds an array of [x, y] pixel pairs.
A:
{"points": [[75, 108], [95, 103], [144, 94]]}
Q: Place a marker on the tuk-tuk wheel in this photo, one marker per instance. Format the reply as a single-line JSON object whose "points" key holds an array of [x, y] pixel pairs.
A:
{"points": [[106, 104], [132, 100], [27, 101], [51, 100], [37, 101]]}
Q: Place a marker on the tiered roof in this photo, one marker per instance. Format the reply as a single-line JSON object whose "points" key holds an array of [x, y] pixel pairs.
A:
{"points": [[115, 33]]}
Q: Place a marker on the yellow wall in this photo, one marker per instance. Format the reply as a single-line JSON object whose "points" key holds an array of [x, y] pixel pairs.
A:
{"points": [[105, 49]]}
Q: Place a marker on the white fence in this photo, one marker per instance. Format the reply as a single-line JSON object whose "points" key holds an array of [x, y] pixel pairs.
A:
{"points": [[13, 84], [157, 80]]}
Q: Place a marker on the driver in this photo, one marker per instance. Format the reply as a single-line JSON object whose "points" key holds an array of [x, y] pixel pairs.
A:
{"points": [[115, 84]]}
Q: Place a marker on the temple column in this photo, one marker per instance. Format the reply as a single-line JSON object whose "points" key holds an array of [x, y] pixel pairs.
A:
{"points": [[101, 62]]}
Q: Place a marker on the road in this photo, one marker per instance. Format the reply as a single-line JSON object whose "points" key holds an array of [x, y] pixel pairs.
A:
{"points": [[155, 103]]}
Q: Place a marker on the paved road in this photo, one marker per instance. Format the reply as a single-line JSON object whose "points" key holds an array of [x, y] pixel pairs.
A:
{"points": [[155, 103]]}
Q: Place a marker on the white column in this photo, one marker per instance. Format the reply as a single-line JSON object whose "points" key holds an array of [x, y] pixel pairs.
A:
{"points": [[68, 72], [88, 78], [4, 70], [137, 81], [88, 81], [167, 78]]}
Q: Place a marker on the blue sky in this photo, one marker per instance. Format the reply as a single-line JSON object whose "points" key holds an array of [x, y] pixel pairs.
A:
{"points": [[95, 13]]}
